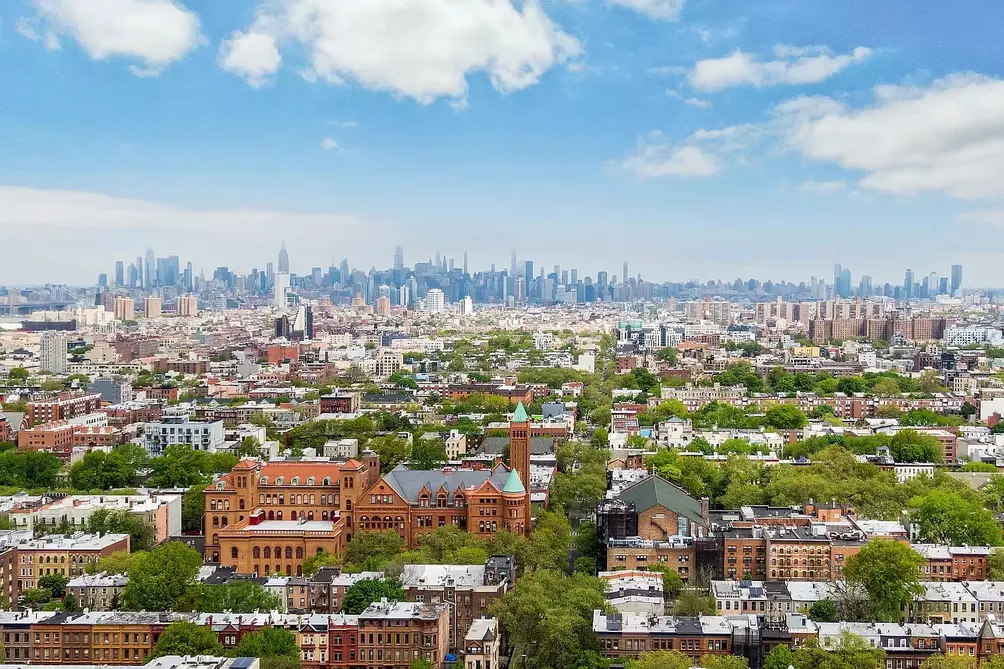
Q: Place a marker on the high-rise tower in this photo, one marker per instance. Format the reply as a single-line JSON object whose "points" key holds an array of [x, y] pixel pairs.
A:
{"points": [[283, 260]]}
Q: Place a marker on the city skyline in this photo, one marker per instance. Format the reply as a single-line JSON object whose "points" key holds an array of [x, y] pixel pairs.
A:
{"points": [[693, 139]]}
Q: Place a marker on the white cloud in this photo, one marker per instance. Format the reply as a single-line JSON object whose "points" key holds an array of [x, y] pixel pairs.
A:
{"points": [[663, 10], [823, 187], [986, 217], [947, 137], [697, 102], [656, 158], [422, 49], [254, 56], [27, 28], [24, 27], [329, 144], [796, 65], [154, 32]]}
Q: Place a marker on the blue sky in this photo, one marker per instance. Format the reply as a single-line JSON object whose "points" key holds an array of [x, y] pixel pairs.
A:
{"points": [[694, 138]]}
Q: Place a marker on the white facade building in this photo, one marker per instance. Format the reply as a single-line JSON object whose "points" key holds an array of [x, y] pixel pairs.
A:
{"points": [[435, 301], [200, 436], [53, 353], [973, 335]]}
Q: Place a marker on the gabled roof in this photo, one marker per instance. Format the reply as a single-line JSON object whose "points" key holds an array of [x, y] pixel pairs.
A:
{"points": [[657, 491], [497, 445], [513, 485]]}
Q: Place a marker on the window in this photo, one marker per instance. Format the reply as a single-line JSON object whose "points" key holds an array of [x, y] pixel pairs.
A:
{"points": [[295, 481], [222, 485], [233, 552]]}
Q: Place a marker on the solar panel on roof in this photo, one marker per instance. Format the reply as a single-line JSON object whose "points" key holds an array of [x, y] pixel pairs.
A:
{"points": [[243, 662], [756, 592]]}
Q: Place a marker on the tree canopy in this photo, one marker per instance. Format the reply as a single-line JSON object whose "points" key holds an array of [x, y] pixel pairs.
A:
{"points": [[888, 571]]}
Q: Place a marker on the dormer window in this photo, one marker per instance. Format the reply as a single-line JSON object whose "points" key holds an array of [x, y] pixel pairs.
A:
{"points": [[222, 485], [263, 480], [310, 480], [279, 480], [295, 480]]}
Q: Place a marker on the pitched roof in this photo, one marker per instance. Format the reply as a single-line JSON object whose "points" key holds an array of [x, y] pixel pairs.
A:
{"points": [[513, 484], [408, 483], [520, 415], [655, 490]]}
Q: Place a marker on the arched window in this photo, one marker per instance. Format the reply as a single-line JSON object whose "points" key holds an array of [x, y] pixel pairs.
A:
{"points": [[216, 541], [241, 504], [261, 499], [295, 481], [212, 505], [216, 521], [233, 552], [263, 481], [278, 515], [277, 551], [222, 485], [299, 570], [320, 550], [324, 515], [311, 500], [223, 521], [289, 552], [256, 552], [279, 480], [271, 514], [310, 480], [299, 552], [310, 515], [326, 481], [268, 551], [226, 504], [268, 570], [282, 499]]}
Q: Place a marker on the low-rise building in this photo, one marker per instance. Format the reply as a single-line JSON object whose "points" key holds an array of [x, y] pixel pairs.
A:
{"points": [[66, 555], [97, 592], [482, 644]]}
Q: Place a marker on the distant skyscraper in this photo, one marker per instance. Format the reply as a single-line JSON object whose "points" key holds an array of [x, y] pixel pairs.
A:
{"points": [[398, 258], [281, 288], [956, 278], [284, 260], [119, 273], [943, 286], [512, 266], [845, 283], [465, 262], [932, 283], [150, 268], [102, 280], [189, 277], [908, 284], [625, 277], [836, 278], [575, 277], [528, 271], [140, 278]]}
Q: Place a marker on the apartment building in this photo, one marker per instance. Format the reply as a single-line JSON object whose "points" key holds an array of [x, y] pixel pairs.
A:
{"points": [[97, 592], [625, 635], [66, 555], [470, 590], [392, 635], [63, 407]]}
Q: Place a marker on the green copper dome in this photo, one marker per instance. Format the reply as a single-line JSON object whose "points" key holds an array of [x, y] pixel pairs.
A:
{"points": [[514, 485], [520, 415]]}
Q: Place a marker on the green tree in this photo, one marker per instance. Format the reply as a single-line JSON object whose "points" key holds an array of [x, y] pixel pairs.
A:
{"points": [[995, 565], [660, 659], [323, 559], [54, 583], [693, 603], [18, 374], [548, 544], [116, 563], [824, 611], [914, 446], [548, 616], [421, 663], [371, 551], [669, 355], [237, 597], [723, 662], [187, 638], [391, 449], [946, 517], [785, 417], [270, 644], [888, 571], [181, 466], [948, 662], [29, 469], [105, 521], [672, 584], [193, 507], [165, 579], [364, 592], [249, 447], [427, 454], [779, 657]]}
